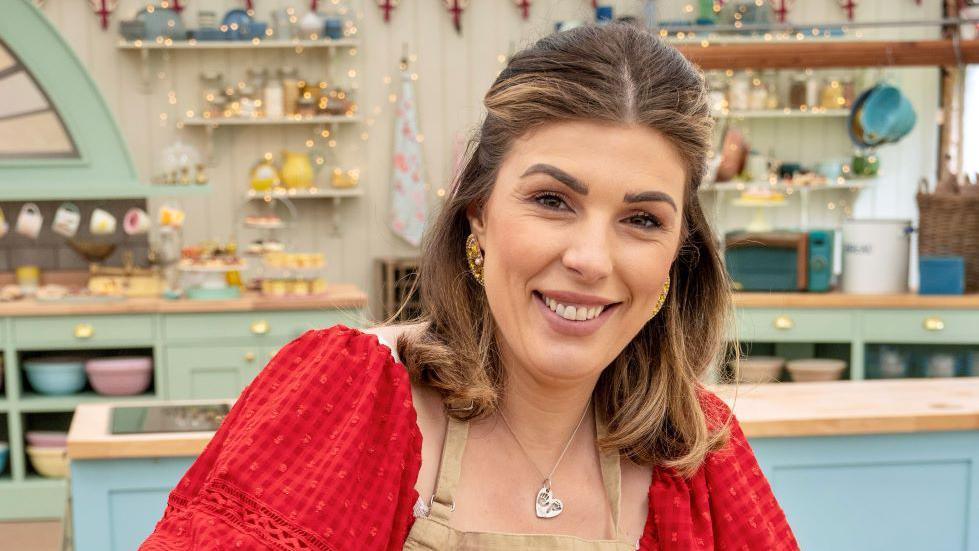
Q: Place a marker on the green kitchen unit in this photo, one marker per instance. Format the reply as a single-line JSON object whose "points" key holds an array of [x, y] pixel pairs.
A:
{"points": [[196, 355], [214, 354]]}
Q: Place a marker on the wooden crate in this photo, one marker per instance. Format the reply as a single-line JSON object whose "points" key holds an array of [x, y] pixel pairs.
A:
{"points": [[397, 277]]}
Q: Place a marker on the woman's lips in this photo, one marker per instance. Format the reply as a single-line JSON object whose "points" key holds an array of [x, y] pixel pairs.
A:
{"points": [[569, 327]]}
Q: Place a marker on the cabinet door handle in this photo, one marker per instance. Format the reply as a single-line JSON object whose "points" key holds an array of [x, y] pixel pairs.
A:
{"points": [[84, 331], [260, 327], [933, 323], [249, 356], [783, 323]]}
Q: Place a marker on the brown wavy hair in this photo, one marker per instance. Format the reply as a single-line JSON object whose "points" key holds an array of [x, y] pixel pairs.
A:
{"points": [[650, 394]]}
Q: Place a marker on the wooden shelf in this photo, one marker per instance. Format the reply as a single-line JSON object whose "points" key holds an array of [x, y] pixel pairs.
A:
{"points": [[783, 114], [856, 183], [283, 121], [167, 44], [312, 193], [831, 53], [33, 402]]}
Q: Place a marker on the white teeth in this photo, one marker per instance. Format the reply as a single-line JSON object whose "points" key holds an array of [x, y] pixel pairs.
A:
{"points": [[573, 313]]}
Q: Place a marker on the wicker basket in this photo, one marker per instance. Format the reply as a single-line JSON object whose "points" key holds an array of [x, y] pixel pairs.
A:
{"points": [[949, 226]]}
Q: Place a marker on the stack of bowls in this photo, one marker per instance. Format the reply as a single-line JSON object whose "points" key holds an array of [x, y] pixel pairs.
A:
{"points": [[816, 369], [48, 453], [56, 375], [123, 376], [760, 369]]}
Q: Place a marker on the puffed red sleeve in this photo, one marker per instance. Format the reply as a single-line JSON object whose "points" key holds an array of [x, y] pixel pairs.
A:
{"points": [[727, 504], [320, 452]]}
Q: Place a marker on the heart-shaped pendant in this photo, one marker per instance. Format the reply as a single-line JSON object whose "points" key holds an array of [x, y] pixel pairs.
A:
{"points": [[547, 505]]}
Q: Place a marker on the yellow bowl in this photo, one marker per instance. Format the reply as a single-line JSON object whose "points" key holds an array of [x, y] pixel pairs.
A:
{"points": [[49, 462]]}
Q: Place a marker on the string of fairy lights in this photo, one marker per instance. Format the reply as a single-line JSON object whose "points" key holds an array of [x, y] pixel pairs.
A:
{"points": [[322, 141]]}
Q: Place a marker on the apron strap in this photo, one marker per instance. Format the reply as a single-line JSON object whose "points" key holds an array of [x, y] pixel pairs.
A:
{"points": [[611, 474], [443, 503]]}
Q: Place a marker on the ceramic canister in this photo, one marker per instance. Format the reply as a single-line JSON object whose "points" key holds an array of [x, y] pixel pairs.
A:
{"points": [[875, 256]]}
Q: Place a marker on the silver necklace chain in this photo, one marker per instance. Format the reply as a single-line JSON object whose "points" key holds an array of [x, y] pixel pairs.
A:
{"points": [[546, 479]]}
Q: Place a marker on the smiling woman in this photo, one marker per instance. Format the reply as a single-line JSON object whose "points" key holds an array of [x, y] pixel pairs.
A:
{"points": [[549, 397]]}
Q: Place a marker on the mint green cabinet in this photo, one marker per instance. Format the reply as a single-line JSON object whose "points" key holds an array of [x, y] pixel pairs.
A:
{"points": [[196, 356], [783, 325], [203, 372], [921, 326], [84, 331]]}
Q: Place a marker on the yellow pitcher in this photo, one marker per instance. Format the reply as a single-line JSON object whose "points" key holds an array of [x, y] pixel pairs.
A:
{"points": [[297, 170]]}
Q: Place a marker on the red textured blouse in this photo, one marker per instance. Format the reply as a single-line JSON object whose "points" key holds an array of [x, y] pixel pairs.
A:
{"points": [[322, 450]]}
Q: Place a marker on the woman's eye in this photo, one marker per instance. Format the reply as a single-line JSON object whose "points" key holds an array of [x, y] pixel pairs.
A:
{"points": [[551, 201], [644, 221]]}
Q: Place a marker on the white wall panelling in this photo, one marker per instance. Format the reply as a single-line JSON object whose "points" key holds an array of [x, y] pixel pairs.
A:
{"points": [[453, 74]]}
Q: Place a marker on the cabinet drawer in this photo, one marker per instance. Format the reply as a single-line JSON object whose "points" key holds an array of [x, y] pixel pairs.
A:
{"points": [[276, 327], [773, 325], [922, 326], [82, 331]]}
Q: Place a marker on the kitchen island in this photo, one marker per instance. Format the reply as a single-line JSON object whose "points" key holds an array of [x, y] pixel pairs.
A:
{"points": [[856, 465]]}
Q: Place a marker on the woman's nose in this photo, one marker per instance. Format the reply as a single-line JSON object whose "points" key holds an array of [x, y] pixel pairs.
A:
{"points": [[588, 253]]}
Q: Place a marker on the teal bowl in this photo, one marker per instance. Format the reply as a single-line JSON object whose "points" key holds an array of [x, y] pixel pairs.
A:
{"points": [[56, 376], [887, 115]]}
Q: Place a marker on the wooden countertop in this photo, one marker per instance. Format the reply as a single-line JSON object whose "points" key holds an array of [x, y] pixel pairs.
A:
{"points": [[843, 300], [338, 296], [772, 410], [89, 438], [855, 407]]}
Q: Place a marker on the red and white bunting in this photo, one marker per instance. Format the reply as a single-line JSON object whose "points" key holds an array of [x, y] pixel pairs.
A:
{"points": [[103, 9], [524, 6], [387, 6]]}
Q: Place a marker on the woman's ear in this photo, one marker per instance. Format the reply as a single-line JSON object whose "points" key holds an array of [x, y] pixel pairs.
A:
{"points": [[477, 224]]}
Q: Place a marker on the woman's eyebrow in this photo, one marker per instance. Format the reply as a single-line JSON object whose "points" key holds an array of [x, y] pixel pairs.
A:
{"points": [[559, 175], [650, 196], [579, 187]]}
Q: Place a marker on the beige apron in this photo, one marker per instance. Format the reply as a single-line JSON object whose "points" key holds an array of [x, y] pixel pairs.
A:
{"points": [[433, 533]]}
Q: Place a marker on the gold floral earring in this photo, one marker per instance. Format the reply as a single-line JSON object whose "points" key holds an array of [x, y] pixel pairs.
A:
{"points": [[662, 296], [475, 258]]}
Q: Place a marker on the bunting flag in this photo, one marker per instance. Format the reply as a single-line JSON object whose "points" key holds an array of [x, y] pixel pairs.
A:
{"points": [[524, 6], [782, 11], [103, 9], [409, 204], [456, 7], [387, 6]]}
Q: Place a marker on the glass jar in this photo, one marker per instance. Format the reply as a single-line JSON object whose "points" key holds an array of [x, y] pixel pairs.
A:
{"points": [[797, 91], [758, 97], [290, 90], [849, 91], [213, 94], [738, 91], [831, 96], [717, 92], [770, 82], [247, 105]]}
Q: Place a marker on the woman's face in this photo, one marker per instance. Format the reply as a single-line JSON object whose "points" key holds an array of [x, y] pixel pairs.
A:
{"points": [[578, 236]]}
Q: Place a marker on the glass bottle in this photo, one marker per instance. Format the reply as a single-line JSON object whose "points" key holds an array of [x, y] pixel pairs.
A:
{"points": [[290, 90]]}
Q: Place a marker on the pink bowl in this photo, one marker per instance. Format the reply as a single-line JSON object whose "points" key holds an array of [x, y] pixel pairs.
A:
{"points": [[47, 438], [120, 376]]}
